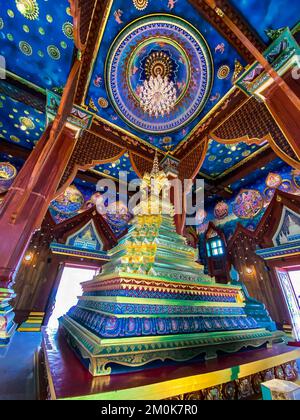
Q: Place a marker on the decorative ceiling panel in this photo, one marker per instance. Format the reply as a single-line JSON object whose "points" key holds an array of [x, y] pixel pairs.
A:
{"points": [[268, 14], [261, 173], [19, 123], [36, 39], [113, 169], [221, 158], [79, 198], [144, 38]]}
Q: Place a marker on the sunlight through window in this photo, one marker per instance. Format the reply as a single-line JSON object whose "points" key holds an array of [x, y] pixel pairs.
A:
{"points": [[68, 291]]}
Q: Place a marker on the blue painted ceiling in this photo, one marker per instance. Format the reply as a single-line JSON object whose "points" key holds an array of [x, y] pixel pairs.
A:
{"points": [[221, 158], [19, 123], [16, 162], [268, 14], [277, 165], [113, 169], [117, 223], [120, 16], [38, 46]]}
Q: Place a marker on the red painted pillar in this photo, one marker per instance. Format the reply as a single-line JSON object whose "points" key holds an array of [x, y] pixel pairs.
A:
{"points": [[23, 210], [285, 111], [177, 196]]}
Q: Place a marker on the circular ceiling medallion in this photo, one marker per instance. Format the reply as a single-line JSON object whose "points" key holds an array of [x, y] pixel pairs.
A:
{"points": [[7, 174], [248, 204], [69, 202], [159, 46], [27, 122], [221, 210], [25, 48], [68, 30], [140, 4], [53, 52], [103, 103], [28, 8], [223, 72]]}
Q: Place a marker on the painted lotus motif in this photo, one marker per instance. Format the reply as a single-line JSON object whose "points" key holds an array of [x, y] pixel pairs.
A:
{"points": [[7, 175], [69, 202], [248, 204], [273, 180], [221, 210]]}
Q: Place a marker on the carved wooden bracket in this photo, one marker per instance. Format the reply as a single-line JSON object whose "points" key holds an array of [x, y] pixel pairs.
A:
{"points": [[253, 123]]}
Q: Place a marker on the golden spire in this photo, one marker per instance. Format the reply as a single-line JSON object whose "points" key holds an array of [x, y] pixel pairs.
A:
{"points": [[155, 169]]}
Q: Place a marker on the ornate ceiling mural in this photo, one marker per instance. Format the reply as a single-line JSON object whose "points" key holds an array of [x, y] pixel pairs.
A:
{"points": [[36, 37], [19, 123], [81, 196], [268, 14], [166, 47], [221, 158], [277, 165], [157, 74], [112, 170], [8, 173], [252, 196]]}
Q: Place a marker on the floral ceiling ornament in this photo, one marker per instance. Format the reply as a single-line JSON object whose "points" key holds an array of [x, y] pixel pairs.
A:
{"points": [[223, 72], [221, 210], [153, 66], [28, 8], [70, 202], [140, 4], [7, 175]]}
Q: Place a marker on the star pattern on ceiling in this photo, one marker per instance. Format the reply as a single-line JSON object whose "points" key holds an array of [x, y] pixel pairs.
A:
{"points": [[36, 39], [222, 157], [19, 123], [114, 169]]}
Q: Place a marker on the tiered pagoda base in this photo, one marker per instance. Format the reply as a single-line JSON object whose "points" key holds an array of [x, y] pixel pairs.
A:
{"points": [[7, 325], [230, 377], [152, 301], [111, 326]]}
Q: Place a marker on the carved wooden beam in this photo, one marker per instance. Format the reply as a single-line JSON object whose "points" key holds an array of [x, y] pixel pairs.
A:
{"points": [[126, 140], [226, 107], [216, 20], [252, 48], [252, 122], [82, 12], [99, 14]]}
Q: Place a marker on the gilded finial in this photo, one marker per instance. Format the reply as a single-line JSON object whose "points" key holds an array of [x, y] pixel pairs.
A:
{"points": [[155, 169], [219, 12], [238, 68]]}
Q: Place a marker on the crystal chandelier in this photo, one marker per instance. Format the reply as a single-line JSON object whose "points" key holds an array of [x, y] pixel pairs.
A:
{"points": [[158, 96]]}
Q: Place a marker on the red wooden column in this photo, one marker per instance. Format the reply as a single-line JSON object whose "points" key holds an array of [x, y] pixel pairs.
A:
{"points": [[23, 210], [170, 166], [285, 111], [279, 88]]}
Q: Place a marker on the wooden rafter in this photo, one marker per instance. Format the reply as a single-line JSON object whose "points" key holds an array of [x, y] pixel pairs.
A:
{"points": [[216, 20]]}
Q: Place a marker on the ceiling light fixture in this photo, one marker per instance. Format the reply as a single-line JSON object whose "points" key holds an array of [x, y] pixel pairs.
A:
{"points": [[158, 96]]}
